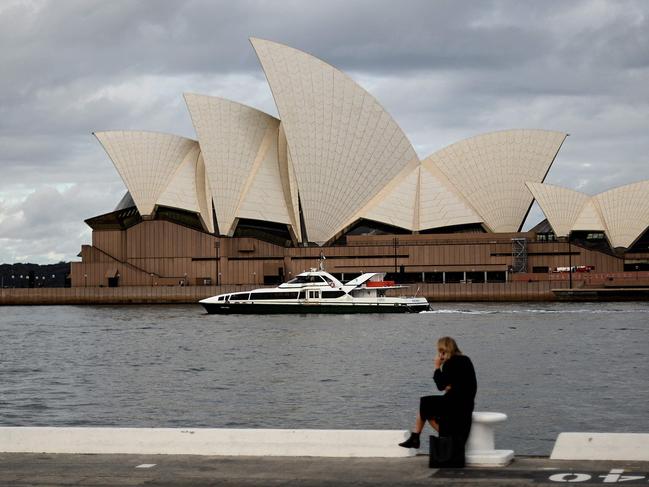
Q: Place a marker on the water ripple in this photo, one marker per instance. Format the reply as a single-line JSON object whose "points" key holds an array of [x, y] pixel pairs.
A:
{"points": [[174, 366]]}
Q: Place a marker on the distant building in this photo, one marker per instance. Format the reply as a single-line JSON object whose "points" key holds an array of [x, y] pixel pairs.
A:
{"points": [[255, 199]]}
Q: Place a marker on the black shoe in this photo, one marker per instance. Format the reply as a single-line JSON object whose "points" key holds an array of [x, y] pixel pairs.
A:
{"points": [[412, 442]]}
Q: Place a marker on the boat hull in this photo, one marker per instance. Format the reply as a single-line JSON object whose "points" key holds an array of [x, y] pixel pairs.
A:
{"points": [[248, 308]]}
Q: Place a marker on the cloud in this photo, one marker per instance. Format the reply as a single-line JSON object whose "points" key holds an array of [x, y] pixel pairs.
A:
{"points": [[445, 71], [32, 228]]}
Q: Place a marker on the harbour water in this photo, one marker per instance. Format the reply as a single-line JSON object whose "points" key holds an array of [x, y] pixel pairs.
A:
{"points": [[551, 367]]}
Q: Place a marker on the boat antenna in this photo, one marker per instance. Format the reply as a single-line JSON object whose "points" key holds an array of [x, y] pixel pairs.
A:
{"points": [[322, 259]]}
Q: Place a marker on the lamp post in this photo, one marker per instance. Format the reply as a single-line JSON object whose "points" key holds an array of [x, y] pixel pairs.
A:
{"points": [[85, 280], [569, 261], [395, 243], [217, 246]]}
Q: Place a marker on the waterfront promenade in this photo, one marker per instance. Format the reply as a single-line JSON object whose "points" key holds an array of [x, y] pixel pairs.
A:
{"points": [[22, 469]]}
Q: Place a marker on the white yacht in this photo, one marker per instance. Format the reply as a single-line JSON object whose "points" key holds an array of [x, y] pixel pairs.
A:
{"points": [[317, 291]]}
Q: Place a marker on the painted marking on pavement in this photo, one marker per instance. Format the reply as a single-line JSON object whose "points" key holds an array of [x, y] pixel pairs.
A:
{"points": [[614, 476], [146, 465]]}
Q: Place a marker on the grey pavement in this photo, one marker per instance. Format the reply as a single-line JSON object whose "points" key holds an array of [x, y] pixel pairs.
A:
{"points": [[29, 469]]}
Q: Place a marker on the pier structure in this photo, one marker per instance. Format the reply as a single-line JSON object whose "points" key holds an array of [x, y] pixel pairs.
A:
{"points": [[585, 458]]}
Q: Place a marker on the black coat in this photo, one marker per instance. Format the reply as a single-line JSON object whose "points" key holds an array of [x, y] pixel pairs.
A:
{"points": [[459, 400]]}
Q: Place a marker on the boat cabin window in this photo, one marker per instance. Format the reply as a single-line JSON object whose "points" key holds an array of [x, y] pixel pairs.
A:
{"points": [[359, 292], [302, 295], [239, 297], [314, 294], [273, 295], [306, 280], [329, 281], [221, 298], [332, 294]]}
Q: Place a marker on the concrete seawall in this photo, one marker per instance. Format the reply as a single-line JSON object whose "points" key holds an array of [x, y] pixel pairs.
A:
{"points": [[206, 441], [509, 291]]}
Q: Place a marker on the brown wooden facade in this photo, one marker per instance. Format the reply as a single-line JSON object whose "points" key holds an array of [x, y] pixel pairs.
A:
{"points": [[162, 253]]}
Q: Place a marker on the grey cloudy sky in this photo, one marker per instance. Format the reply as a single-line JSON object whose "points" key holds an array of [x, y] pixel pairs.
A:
{"points": [[445, 70]]}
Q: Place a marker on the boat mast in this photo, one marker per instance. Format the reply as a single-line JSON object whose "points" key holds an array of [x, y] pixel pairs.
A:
{"points": [[321, 265]]}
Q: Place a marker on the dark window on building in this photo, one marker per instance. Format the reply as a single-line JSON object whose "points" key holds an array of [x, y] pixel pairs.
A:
{"points": [[275, 233], [272, 280], [403, 277], [369, 227], [469, 228], [638, 266], [182, 217], [541, 269], [350, 276], [477, 277], [496, 276], [452, 277], [332, 294], [434, 277], [546, 237]]}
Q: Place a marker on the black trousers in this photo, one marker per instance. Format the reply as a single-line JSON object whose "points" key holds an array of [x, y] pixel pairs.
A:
{"points": [[453, 419]]}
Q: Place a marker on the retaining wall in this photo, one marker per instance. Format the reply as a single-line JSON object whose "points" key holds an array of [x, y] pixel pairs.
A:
{"points": [[509, 291]]}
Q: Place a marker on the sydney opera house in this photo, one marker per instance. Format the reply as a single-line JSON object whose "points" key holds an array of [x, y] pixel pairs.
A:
{"points": [[254, 198]]}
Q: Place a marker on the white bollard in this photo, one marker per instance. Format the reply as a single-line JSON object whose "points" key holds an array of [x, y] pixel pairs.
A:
{"points": [[481, 445]]}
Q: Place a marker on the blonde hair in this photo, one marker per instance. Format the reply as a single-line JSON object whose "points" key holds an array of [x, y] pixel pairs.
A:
{"points": [[449, 346]]}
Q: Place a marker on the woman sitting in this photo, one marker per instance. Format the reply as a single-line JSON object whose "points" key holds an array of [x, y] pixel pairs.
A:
{"points": [[449, 414]]}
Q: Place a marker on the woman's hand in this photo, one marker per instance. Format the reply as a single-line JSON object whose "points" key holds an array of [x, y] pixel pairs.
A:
{"points": [[440, 358]]}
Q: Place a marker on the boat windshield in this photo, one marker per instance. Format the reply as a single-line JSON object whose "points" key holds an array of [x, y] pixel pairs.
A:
{"points": [[306, 280]]}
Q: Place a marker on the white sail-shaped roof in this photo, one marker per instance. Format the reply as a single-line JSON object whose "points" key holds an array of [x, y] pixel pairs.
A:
{"points": [[589, 218], [622, 213], [231, 136], [561, 206], [440, 204], [187, 189], [289, 182], [263, 195], [625, 211], [181, 190], [491, 170], [397, 204], [146, 161], [204, 195], [344, 146]]}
